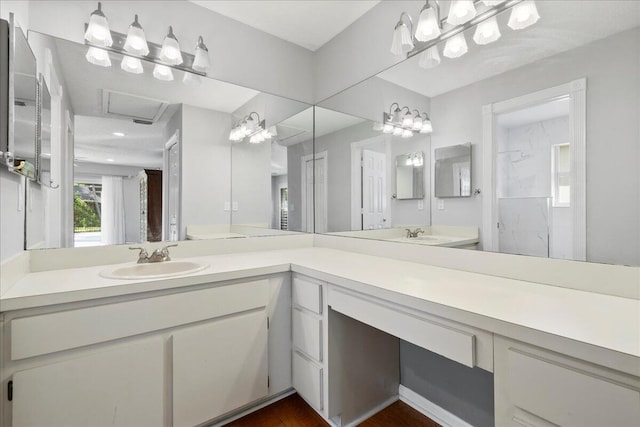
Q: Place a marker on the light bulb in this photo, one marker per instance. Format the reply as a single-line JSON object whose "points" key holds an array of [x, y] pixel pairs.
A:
{"points": [[387, 128], [461, 11], [170, 52], [429, 58], [98, 57], [406, 133], [191, 79], [201, 61], [397, 131], [98, 29], [162, 72], [407, 120], [523, 15], [136, 42], [417, 123], [456, 46], [426, 126], [428, 26], [131, 65], [402, 42], [487, 32]]}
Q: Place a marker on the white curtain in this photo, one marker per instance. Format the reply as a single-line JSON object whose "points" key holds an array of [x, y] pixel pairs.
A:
{"points": [[112, 221]]}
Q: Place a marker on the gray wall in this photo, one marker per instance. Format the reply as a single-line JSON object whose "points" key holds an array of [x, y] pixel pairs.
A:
{"points": [[294, 175], [465, 392], [612, 69]]}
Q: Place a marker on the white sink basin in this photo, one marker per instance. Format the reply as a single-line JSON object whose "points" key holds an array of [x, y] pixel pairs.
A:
{"points": [[154, 270]]}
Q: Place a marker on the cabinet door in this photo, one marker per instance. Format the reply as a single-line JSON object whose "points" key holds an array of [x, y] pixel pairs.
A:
{"points": [[218, 367], [122, 386]]}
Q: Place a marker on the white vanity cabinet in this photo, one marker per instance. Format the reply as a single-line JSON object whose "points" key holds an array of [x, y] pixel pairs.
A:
{"points": [[536, 387], [181, 358], [309, 323]]}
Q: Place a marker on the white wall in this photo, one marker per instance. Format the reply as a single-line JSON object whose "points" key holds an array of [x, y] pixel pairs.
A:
{"points": [[239, 54], [131, 191], [251, 183], [11, 214], [205, 167], [612, 69]]}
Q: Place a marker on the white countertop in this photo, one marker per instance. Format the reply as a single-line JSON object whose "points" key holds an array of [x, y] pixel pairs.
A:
{"points": [[605, 321]]}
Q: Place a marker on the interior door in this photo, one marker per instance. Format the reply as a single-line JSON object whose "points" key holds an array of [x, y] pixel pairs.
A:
{"points": [[373, 190], [154, 205]]}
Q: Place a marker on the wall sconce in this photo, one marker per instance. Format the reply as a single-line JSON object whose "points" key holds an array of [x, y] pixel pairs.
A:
{"points": [[251, 128], [134, 47], [397, 122]]}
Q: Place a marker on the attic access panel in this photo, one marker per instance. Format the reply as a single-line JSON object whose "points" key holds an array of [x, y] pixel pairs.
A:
{"points": [[125, 105]]}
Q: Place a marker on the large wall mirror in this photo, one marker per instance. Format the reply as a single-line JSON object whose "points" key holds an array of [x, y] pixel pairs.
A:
{"points": [[552, 126], [147, 157]]}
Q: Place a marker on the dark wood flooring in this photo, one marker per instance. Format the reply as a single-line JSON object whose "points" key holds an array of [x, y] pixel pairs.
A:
{"points": [[293, 411]]}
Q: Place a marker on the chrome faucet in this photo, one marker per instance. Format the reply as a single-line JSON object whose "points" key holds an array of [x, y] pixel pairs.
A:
{"points": [[414, 233], [159, 255]]}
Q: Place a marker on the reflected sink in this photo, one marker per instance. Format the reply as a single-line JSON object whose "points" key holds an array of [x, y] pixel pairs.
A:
{"points": [[154, 270], [430, 239]]}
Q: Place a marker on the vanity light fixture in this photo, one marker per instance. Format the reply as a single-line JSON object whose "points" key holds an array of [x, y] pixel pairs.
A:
{"points": [[428, 27], [136, 42], [201, 62], [163, 73], [98, 56], [398, 123], [251, 128], [97, 32], [463, 15], [523, 15], [131, 65], [170, 53], [402, 36]]}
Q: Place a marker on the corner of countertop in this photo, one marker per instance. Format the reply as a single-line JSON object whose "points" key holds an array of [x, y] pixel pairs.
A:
{"points": [[12, 270]]}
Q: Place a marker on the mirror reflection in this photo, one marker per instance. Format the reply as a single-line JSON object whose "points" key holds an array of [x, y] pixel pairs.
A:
{"points": [[452, 171], [551, 123], [130, 149]]}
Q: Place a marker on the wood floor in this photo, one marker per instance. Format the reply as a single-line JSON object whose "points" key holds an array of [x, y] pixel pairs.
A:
{"points": [[292, 411]]}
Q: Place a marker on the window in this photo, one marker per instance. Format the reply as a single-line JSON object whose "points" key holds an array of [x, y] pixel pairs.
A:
{"points": [[561, 175]]}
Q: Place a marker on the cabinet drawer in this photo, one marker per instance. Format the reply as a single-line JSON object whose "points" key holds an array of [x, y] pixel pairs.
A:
{"points": [[565, 395], [307, 334], [75, 328], [307, 380], [452, 343], [307, 294]]}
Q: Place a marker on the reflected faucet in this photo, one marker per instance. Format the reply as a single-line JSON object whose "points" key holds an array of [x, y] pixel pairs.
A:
{"points": [[414, 233], [159, 255]]}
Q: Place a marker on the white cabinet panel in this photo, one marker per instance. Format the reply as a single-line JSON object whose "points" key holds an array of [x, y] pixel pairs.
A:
{"points": [[307, 334], [121, 387], [218, 367], [307, 380], [307, 294]]}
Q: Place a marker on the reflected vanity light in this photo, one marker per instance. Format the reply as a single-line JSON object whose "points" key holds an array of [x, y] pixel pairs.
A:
{"points": [[98, 57], [191, 79], [97, 32], [404, 125], [163, 73], [463, 16], [131, 65], [414, 159], [253, 129]]}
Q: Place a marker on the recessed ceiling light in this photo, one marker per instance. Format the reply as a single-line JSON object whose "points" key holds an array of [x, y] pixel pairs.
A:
{"points": [[110, 160], [118, 134]]}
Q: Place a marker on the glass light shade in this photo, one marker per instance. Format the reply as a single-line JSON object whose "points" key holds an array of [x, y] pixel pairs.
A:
{"points": [[162, 72], [256, 139], [201, 61], [396, 116], [98, 56], [191, 79], [250, 125], [407, 133], [428, 26], [265, 134], [402, 42], [426, 126], [170, 52], [417, 123], [408, 162], [131, 65], [487, 32], [429, 58], [456, 46], [397, 131], [407, 120], [387, 128], [98, 29], [136, 42], [377, 126], [461, 11], [523, 15], [490, 3]]}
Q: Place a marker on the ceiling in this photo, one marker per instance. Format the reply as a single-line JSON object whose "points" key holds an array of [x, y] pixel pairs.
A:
{"points": [[564, 25], [309, 24]]}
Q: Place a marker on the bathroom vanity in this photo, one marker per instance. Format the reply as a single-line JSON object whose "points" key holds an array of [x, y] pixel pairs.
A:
{"points": [[252, 326]]}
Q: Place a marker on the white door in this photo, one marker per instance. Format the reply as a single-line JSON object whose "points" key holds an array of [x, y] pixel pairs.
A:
{"points": [[123, 386], [171, 190], [218, 367], [373, 190], [320, 192]]}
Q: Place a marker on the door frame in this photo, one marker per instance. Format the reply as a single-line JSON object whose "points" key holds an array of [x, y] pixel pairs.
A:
{"points": [[576, 90], [313, 157], [166, 232]]}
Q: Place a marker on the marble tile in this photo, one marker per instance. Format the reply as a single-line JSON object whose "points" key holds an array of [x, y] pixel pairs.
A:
{"points": [[524, 226]]}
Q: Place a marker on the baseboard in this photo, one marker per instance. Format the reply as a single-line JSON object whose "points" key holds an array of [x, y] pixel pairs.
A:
{"points": [[372, 411], [430, 409], [253, 408]]}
